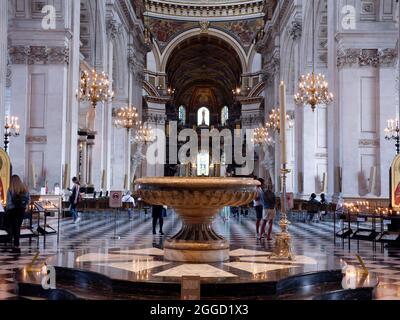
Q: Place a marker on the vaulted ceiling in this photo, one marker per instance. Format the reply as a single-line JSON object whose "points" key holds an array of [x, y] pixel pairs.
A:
{"points": [[207, 62]]}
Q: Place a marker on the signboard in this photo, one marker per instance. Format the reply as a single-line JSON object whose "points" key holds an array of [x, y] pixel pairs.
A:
{"points": [[5, 173], [190, 288], [115, 200], [395, 184]]}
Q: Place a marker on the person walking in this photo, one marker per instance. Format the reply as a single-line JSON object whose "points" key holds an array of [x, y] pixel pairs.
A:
{"points": [[157, 214], [258, 206], [18, 199], [74, 199], [269, 212]]}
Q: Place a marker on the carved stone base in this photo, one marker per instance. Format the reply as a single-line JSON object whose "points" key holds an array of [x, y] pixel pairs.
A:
{"points": [[283, 248], [191, 251]]}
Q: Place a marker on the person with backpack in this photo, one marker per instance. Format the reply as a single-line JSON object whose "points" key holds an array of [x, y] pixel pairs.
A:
{"points": [[74, 199], [18, 199]]}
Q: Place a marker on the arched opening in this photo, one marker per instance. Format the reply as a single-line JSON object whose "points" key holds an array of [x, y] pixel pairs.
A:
{"points": [[203, 71], [224, 115], [182, 115], [203, 117]]}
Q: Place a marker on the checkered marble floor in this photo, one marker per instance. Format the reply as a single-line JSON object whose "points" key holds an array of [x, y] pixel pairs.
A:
{"points": [[96, 230]]}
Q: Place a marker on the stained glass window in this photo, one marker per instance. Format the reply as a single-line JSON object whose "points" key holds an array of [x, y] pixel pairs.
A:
{"points": [[182, 114], [224, 115]]}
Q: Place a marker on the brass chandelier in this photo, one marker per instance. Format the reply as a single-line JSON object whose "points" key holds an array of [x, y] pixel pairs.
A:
{"points": [[126, 118], [313, 88], [261, 136], [274, 121], [94, 87], [144, 134]]}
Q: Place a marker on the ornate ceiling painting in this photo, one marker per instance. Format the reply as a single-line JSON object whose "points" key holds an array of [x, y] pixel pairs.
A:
{"points": [[203, 62], [244, 31]]}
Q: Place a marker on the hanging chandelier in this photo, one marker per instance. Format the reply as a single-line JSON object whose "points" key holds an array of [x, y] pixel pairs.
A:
{"points": [[261, 136], [274, 121], [144, 134], [313, 89], [94, 87], [126, 118]]}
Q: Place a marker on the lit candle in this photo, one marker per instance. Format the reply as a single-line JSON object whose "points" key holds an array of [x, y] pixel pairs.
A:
{"points": [[283, 122]]}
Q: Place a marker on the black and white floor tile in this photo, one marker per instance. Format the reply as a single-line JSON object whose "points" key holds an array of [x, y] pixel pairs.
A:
{"points": [[96, 230]]}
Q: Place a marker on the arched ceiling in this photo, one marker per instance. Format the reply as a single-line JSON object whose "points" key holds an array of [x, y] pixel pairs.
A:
{"points": [[207, 62]]}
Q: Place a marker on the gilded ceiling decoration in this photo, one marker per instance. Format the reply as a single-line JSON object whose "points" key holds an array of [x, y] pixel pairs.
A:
{"points": [[244, 31], [207, 62]]}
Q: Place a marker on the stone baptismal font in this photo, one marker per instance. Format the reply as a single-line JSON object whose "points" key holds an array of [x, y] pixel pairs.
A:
{"points": [[197, 201]]}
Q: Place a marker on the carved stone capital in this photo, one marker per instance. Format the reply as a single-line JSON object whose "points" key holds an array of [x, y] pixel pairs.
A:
{"points": [[113, 29], [295, 30], [387, 57]]}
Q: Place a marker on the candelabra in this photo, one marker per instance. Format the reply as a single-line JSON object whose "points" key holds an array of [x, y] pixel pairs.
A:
{"points": [[11, 129], [143, 135], [392, 132]]}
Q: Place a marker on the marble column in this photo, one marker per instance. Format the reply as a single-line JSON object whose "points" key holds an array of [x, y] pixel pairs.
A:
{"points": [[70, 137], [3, 61]]}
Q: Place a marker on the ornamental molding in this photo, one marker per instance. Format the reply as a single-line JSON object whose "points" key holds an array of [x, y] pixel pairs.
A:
{"points": [[366, 57], [159, 100], [321, 155], [368, 143], [36, 139], [38, 55], [114, 28], [270, 70], [250, 100], [252, 119], [154, 118], [209, 10], [204, 25], [295, 30], [136, 67], [8, 72]]}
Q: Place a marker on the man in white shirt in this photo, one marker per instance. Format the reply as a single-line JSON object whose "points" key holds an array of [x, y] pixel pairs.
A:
{"points": [[127, 198]]}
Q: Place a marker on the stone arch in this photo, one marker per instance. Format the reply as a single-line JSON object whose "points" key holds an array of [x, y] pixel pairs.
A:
{"points": [[194, 33]]}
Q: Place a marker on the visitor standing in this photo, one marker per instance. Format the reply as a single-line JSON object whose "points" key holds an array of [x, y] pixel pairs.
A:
{"points": [[129, 201], [313, 207], [258, 206], [269, 212], [324, 206], [74, 199], [17, 201], [157, 214]]}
